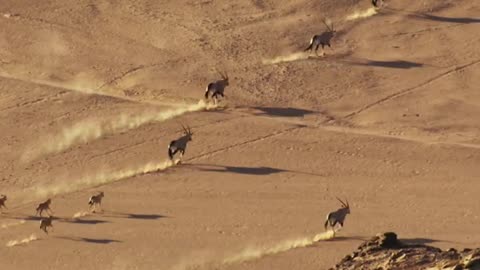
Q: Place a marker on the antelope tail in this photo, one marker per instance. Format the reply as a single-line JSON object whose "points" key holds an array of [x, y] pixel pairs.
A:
{"points": [[326, 222], [208, 89], [170, 152], [310, 46]]}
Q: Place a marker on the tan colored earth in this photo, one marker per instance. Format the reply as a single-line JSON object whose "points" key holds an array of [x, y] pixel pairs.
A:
{"points": [[92, 92]]}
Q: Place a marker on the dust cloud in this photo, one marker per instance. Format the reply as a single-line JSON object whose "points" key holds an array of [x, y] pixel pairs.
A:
{"points": [[27, 240], [12, 224], [361, 14], [99, 178], [80, 214], [208, 259], [258, 252], [286, 58], [89, 130]]}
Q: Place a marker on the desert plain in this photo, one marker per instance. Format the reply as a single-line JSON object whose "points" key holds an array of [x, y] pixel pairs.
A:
{"points": [[92, 93]]}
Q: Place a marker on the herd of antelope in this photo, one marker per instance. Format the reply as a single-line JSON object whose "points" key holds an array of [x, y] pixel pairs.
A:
{"points": [[94, 203], [213, 91]]}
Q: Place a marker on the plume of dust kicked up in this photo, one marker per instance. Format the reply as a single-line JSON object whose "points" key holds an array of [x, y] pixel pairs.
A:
{"points": [[81, 214], [256, 252], [100, 178], [8, 225], [361, 14], [286, 58], [90, 130], [200, 260], [29, 239]]}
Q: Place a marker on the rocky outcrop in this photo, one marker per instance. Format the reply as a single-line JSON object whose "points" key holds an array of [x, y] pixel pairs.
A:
{"points": [[386, 252]]}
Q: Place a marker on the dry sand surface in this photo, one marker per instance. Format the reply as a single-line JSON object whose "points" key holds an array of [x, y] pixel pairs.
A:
{"points": [[92, 92]]}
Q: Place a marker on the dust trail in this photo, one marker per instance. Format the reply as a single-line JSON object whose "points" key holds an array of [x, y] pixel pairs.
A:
{"points": [[80, 83], [8, 225], [200, 260], [258, 252], [285, 58], [80, 214], [90, 130], [99, 178], [29, 239], [361, 14]]}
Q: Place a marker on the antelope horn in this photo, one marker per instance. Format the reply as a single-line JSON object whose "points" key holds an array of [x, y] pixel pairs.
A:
{"points": [[218, 71], [184, 129], [328, 27], [343, 204]]}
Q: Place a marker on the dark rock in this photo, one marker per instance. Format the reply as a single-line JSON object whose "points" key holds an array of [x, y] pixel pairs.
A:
{"points": [[385, 252], [474, 264], [389, 240]]}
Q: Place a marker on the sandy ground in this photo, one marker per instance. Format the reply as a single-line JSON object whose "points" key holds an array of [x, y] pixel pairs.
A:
{"points": [[92, 92]]}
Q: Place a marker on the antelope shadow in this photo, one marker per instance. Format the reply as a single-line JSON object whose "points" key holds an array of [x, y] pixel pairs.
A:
{"points": [[34, 218], [347, 238], [114, 214], [459, 20], [85, 221], [102, 241], [283, 112], [425, 16], [61, 219], [261, 170], [420, 241], [399, 64]]}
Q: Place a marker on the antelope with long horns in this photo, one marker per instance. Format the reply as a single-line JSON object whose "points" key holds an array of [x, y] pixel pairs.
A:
{"points": [[45, 223], [337, 216], [217, 88], [322, 39], [180, 144], [95, 200], [45, 206]]}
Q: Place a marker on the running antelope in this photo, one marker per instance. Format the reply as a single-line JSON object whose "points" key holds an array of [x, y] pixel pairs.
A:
{"points": [[217, 88], [45, 206], [45, 223], [322, 39], [95, 200], [180, 144], [337, 216], [3, 199]]}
